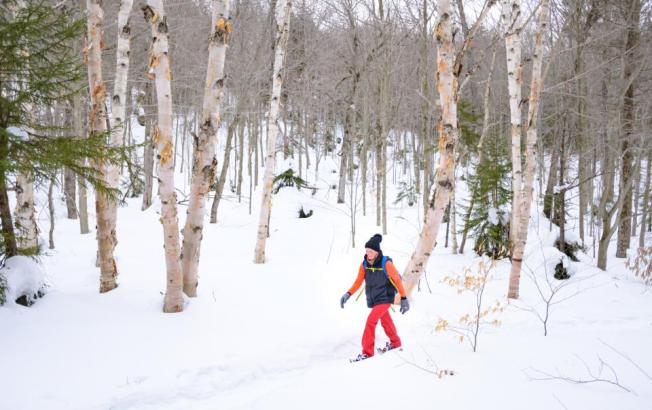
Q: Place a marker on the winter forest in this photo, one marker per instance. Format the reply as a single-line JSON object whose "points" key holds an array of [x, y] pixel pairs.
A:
{"points": [[189, 187]]}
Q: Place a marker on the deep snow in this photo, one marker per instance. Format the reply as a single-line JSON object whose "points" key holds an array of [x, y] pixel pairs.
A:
{"points": [[273, 336]]}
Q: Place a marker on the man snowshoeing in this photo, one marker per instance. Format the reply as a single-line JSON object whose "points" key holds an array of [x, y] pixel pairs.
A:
{"points": [[382, 281]]}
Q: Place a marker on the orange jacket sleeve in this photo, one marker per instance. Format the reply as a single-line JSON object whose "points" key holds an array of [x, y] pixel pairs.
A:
{"points": [[358, 281], [394, 276]]}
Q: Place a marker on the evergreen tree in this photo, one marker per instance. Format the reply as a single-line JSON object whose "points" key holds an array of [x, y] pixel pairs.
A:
{"points": [[39, 67], [491, 193]]}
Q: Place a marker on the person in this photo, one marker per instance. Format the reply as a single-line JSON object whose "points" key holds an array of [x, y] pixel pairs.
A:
{"points": [[381, 285]]}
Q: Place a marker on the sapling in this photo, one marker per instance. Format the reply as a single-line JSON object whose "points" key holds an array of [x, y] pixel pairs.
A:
{"points": [[470, 325]]}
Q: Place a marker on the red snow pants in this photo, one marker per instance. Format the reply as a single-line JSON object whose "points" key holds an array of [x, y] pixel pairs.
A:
{"points": [[379, 312]]}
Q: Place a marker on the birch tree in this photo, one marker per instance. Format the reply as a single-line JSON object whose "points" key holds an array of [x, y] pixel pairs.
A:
{"points": [[118, 108], [447, 86], [283, 14], [25, 220], [27, 238], [159, 69], [524, 200], [97, 123], [204, 160], [447, 79], [511, 17]]}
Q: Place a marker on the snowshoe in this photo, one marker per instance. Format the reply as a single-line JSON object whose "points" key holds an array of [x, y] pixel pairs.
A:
{"points": [[359, 358], [388, 346]]}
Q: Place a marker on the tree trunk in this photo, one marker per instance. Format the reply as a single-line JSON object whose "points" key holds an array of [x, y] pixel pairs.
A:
{"points": [[159, 68], [118, 109], [525, 195], [240, 160], [82, 200], [628, 116], [8, 235], [364, 156], [646, 202], [511, 16], [51, 214], [283, 13], [548, 197], [204, 160], [25, 221], [225, 167], [560, 201], [148, 149], [470, 59], [637, 194], [97, 121], [69, 190], [447, 86]]}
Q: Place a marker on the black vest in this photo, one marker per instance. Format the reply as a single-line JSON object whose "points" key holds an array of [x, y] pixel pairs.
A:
{"points": [[378, 288]]}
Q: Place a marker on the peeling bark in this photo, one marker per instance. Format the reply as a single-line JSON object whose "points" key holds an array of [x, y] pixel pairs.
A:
{"points": [[204, 160], [447, 86], [97, 121], [159, 70]]}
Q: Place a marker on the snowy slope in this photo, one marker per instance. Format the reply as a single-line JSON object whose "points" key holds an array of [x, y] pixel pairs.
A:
{"points": [[273, 336]]}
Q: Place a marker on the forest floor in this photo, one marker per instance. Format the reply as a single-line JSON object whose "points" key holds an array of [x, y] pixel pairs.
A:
{"points": [[273, 336]]}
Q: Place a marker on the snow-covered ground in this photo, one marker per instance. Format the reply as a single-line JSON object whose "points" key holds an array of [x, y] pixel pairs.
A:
{"points": [[273, 336]]}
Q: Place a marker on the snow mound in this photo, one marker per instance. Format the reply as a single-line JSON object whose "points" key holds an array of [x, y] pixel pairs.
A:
{"points": [[23, 277]]}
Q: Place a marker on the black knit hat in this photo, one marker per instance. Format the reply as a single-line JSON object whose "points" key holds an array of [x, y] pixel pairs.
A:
{"points": [[374, 242]]}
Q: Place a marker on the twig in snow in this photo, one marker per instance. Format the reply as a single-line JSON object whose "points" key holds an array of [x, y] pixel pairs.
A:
{"points": [[560, 402], [592, 378], [626, 357]]}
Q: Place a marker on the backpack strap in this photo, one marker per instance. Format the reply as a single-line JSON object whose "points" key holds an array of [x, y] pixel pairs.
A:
{"points": [[384, 263]]}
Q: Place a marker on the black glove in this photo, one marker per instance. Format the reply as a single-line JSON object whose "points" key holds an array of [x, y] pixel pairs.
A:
{"points": [[405, 305], [345, 297]]}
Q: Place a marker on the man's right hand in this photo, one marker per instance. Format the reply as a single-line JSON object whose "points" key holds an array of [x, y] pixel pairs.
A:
{"points": [[345, 297]]}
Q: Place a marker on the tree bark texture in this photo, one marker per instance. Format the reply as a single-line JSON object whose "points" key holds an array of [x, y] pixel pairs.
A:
{"points": [[225, 167], [159, 69], [204, 160], [97, 122], [447, 86], [82, 200], [282, 33], [511, 17], [633, 12], [525, 195], [118, 109], [25, 220]]}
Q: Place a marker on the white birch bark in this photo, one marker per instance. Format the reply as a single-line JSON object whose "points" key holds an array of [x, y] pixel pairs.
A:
{"points": [[525, 195], [442, 188], [159, 69], [118, 107], [97, 123], [25, 221], [204, 160], [283, 9], [511, 16]]}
